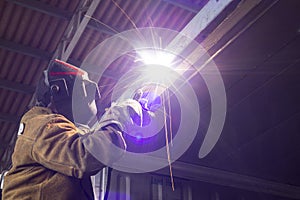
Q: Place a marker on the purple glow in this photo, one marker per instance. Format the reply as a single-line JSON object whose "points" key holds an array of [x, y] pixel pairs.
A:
{"points": [[138, 137]]}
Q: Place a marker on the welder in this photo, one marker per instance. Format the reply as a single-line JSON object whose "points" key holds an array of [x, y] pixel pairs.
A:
{"points": [[51, 158]]}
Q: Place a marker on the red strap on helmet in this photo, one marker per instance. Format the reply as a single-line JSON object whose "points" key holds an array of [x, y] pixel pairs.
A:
{"points": [[70, 70]]}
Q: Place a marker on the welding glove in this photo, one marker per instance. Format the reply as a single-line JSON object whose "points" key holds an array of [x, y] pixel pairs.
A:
{"points": [[150, 103], [124, 115]]}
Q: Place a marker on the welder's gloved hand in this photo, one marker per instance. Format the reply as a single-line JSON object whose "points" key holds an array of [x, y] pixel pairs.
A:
{"points": [[150, 103], [106, 143], [123, 114]]}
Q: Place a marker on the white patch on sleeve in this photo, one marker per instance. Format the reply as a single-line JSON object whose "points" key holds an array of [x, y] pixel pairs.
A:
{"points": [[21, 129]]}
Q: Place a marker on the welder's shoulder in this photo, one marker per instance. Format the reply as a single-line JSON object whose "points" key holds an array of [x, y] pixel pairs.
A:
{"points": [[41, 115], [36, 112], [37, 118]]}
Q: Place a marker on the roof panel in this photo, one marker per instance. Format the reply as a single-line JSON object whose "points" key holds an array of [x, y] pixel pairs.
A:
{"points": [[8, 21]]}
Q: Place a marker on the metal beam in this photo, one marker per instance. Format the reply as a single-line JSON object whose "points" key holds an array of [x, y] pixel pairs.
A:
{"points": [[225, 178], [16, 87], [43, 8], [205, 16], [26, 50], [200, 21], [210, 12], [232, 20], [79, 30]]}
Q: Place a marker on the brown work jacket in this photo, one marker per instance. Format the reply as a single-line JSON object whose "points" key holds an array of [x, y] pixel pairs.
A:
{"points": [[49, 160]]}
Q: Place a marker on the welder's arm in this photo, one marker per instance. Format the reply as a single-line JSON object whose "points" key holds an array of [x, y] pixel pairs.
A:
{"points": [[60, 148], [109, 148]]}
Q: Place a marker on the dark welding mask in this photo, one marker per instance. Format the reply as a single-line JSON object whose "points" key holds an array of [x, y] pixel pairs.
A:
{"points": [[71, 89]]}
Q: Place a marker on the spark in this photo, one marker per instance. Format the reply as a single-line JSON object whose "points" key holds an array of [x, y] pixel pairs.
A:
{"points": [[156, 57], [127, 16], [167, 138], [102, 23]]}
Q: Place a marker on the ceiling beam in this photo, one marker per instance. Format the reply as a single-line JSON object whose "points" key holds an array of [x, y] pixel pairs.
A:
{"points": [[200, 21], [43, 8], [79, 29], [26, 50], [212, 11], [16, 87], [205, 16], [232, 20]]}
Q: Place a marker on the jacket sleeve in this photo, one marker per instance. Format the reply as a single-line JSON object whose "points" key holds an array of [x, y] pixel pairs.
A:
{"points": [[59, 147]]}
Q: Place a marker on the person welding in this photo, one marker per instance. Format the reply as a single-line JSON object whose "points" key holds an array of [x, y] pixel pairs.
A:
{"points": [[51, 158]]}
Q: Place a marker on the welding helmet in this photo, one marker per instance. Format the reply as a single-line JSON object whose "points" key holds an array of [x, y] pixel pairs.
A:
{"points": [[70, 88]]}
